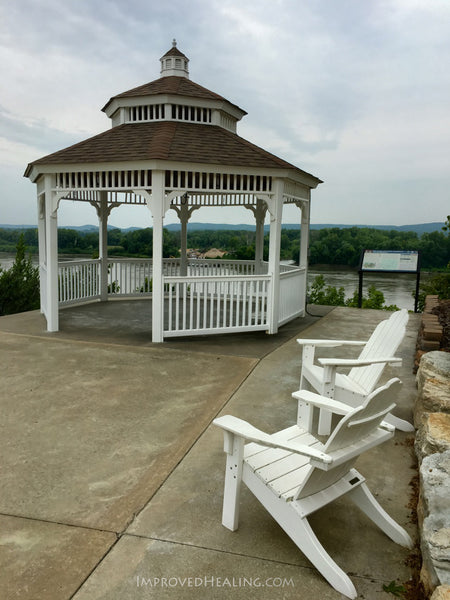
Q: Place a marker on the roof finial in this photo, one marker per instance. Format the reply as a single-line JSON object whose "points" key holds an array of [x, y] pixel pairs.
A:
{"points": [[174, 43]]}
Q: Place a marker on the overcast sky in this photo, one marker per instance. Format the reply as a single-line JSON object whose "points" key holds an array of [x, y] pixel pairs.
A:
{"points": [[356, 92]]}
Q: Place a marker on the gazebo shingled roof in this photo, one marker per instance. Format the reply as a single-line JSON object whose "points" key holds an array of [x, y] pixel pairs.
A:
{"points": [[170, 85], [174, 51], [171, 141]]}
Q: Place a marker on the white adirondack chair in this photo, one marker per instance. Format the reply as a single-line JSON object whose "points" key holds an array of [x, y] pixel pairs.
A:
{"points": [[365, 371], [293, 474]]}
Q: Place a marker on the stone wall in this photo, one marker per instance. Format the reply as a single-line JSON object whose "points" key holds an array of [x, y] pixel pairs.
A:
{"points": [[431, 331], [432, 420]]}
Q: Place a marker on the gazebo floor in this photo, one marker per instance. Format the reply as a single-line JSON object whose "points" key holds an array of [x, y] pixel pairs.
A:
{"points": [[130, 322]]}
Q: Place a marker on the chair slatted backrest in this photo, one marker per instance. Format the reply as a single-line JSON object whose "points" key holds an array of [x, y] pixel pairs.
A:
{"points": [[356, 432], [383, 342]]}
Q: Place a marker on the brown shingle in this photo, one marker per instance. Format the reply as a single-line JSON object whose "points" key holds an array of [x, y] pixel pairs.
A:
{"points": [[167, 140], [170, 85], [174, 52]]}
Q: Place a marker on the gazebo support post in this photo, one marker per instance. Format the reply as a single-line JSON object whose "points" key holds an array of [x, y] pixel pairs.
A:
{"points": [[183, 215], [42, 259], [184, 212], [275, 206], [102, 212], [260, 214], [51, 256], [304, 245], [304, 235], [156, 202]]}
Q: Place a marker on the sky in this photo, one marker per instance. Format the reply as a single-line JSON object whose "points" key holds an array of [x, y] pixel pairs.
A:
{"points": [[356, 92]]}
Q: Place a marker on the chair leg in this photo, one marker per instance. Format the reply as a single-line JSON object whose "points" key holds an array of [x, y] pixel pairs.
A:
{"points": [[234, 447], [363, 498], [304, 537], [400, 424], [289, 516]]}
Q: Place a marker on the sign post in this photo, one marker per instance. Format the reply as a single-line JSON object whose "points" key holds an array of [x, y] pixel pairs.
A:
{"points": [[389, 261]]}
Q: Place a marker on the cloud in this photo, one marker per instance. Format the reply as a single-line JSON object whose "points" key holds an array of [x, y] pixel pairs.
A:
{"points": [[354, 92]]}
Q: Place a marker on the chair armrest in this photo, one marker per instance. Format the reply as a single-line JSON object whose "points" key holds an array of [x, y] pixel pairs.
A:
{"points": [[329, 343], [357, 362], [338, 408], [245, 430]]}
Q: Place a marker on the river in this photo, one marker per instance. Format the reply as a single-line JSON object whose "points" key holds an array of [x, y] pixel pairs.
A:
{"points": [[398, 288]]}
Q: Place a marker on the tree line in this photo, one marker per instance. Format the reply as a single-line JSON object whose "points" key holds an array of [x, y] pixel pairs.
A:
{"points": [[330, 246]]}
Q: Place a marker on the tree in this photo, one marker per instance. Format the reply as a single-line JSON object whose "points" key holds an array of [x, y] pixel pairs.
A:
{"points": [[439, 284], [19, 285], [447, 225]]}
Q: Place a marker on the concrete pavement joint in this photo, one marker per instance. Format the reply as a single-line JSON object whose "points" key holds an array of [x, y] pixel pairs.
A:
{"points": [[50, 522], [243, 555], [218, 550], [95, 567]]}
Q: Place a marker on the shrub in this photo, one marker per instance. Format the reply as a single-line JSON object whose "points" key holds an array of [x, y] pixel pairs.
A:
{"points": [[19, 285], [331, 296]]}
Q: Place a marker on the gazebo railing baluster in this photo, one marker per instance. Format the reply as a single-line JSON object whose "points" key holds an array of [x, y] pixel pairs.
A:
{"points": [[216, 296]]}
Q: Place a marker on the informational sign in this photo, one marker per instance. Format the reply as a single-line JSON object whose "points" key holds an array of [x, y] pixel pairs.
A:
{"points": [[390, 260]]}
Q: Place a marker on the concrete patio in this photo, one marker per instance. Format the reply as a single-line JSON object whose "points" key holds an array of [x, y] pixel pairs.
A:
{"points": [[112, 475]]}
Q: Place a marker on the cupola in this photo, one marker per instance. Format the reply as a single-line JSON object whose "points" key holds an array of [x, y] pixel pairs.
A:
{"points": [[174, 63]]}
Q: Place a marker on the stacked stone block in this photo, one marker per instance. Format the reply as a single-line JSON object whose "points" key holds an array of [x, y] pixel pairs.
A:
{"points": [[431, 332], [432, 420]]}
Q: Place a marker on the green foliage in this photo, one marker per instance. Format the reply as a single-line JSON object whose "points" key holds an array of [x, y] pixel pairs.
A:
{"points": [[374, 299], [329, 296], [148, 285], [19, 285], [319, 293], [438, 285], [113, 287], [171, 245], [9, 239], [394, 589], [344, 246], [446, 227], [332, 246]]}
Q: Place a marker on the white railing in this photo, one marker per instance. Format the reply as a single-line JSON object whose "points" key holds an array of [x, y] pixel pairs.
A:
{"points": [[292, 294], [220, 305], [129, 277], [79, 280], [216, 296], [132, 277], [287, 268], [219, 268]]}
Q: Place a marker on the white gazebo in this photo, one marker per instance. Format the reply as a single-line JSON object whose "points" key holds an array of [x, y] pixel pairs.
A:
{"points": [[173, 146]]}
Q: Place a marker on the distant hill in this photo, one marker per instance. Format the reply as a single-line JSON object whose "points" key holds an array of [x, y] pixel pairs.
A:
{"points": [[419, 228]]}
